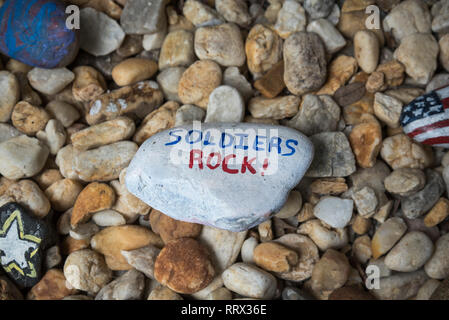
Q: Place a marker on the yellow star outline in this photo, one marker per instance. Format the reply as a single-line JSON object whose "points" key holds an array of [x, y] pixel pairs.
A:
{"points": [[16, 216]]}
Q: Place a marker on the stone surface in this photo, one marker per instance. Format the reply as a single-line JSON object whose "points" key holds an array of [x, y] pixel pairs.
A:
{"points": [[50, 81], [184, 266], [233, 78], [332, 39], [330, 272], [438, 213], [387, 235], [200, 14], [11, 94], [274, 257], [276, 108], [52, 286], [305, 62], [334, 157], [366, 141], [64, 112], [400, 286], [438, 267], [8, 291], [154, 186], [143, 17], [405, 181], [168, 80], [366, 50], [21, 157], [133, 70], [63, 193], [170, 229], [142, 259], [234, 11], [291, 18], [334, 211], [100, 34], [271, 83], [225, 105], [29, 119], [387, 109], [48, 19], [88, 84], [177, 50], [129, 286], [23, 239], [54, 136], [108, 218], [366, 201]]}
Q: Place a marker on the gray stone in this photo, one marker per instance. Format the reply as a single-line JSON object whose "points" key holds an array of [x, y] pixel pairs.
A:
{"points": [[317, 114], [187, 114], [143, 16], [318, 8], [154, 174], [100, 34], [129, 286], [142, 259], [225, 105], [438, 81], [50, 81], [365, 201], [400, 286], [334, 157], [291, 293], [232, 77], [417, 204], [168, 80], [7, 132]]}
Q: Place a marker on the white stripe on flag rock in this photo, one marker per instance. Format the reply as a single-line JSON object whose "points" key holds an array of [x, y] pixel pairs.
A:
{"points": [[426, 119]]}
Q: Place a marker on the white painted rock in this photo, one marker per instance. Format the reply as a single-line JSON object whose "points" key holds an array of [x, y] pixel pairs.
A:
{"points": [[230, 176], [334, 211]]}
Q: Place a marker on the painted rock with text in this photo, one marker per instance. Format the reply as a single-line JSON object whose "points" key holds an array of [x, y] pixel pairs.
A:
{"points": [[22, 241], [35, 33], [426, 119], [229, 176]]}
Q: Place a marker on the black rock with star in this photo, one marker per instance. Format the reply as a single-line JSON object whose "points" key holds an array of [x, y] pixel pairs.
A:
{"points": [[23, 239]]}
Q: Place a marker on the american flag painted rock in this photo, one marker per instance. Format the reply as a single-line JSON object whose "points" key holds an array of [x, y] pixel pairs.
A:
{"points": [[426, 119], [35, 33]]}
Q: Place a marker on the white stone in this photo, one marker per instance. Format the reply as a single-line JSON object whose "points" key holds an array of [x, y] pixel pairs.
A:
{"points": [[248, 249], [388, 109], [225, 105], [7, 132], [365, 201], [108, 218], [54, 136], [50, 81], [100, 34], [291, 18], [229, 196], [232, 77], [334, 211], [168, 80], [332, 39], [200, 14]]}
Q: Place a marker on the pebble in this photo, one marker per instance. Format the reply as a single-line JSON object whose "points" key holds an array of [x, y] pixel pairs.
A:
{"points": [[418, 53], [200, 209], [10, 88], [276, 108], [233, 78], [332, 39], [271, 84], [52, 286], [292, 293], [143, 17], [263, 48], [400, 286], [317, 113], [333, 158], [248, 247], [200, 14], [168, 81], [104, 163], [63, 112], [387, 109], [305, 62], [340, 70], [366, 50], [108, 218], [100, 34], [184, 266], [224, 246], [319, 8], [153, 41], [8, 291], [387, 235], [438, 213], [322, 236], [249, 281], [129, 286], [54, 136], [104, 133], [292, 206], [444, 51], [163, 293], [334, 211], [63, 193], [93, 198], [170, 229], [440, 11], [291, 18], [52, 257], [410, 253], [222, 44], [366, 141], [274, 257], [111, 241], [234, 11], [330, 272], [361, 249], [417, 204], [427, 289], [366, 201], [177, 50], [64, 160], [399, 151], [307, 253], [86, 270], [50, 81], [22, 234], [84, 231], [225, 105], [29, 119], [51, 31], [438, 267], [198, 82], [350, 293], [89, 83], [142, 259], [132, 70], [405, 181], [22, 157], [134, 101]]}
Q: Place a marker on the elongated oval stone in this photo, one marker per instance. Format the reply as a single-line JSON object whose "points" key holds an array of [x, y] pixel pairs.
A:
{"points": [[229, 176], [35, 33]]}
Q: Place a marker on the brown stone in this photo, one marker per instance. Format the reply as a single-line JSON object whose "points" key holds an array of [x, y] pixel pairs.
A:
{"points": [[184, 265], [133, 70], [52, 286], [272, 83], [351, 293], [361, 225], [394, 72], [329, 186], [8, 291], [354, 113], [29, 119], [88, 84], [349, 94], [69, 245], [275, 257], [340, 70], [94, 197], [366, 141], [112, 240], [376, 82], [169, 228], [438, 213]]}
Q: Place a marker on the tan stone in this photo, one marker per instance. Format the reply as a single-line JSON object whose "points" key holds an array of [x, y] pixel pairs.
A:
{"points": [[52, 286], [160, 119], [366, 141], [63, 193], [356, 112], [133, 70], [366, 50], [400, 151], [29, 119], [88, 84], [306, 212], [94, 197], [112, 240], [394, 72], [69, 245], [170, 229], [272, 83], [376, 82], [276, 108], [163, 293], [387, 235], [177, 50], [438, 213], [361, 225], [329, 186], [198, 82], [274, 257], [341, 69], [184, 265], [330, 272]]}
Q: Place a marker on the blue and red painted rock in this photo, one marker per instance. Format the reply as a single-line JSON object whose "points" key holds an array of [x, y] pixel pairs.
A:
{"points": [[35, 33], [426, 119], [229, 176]]}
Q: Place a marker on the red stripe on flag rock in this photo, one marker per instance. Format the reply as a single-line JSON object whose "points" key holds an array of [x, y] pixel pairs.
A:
{"points": [[435, 125], [445, 103], [436, 140]]}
